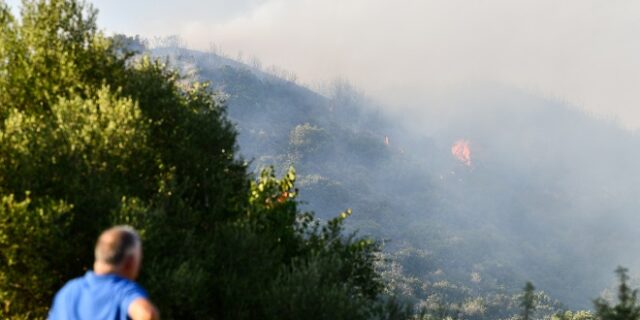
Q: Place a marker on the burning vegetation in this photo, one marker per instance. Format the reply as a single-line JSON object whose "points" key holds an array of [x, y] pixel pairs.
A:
{"points": [[462, 151]]}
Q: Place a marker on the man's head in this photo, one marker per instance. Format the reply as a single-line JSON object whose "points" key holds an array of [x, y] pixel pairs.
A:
{"points": [[119, 251]]}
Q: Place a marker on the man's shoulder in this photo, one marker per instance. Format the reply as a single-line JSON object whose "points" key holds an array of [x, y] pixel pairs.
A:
{"points": [[120, 290], [71, 286], [125, 284], [126, 289], [92, 283], [64, 297]]}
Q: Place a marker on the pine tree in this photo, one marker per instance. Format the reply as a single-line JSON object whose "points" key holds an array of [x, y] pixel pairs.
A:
{"points": [[627, 307], [528, 301]]}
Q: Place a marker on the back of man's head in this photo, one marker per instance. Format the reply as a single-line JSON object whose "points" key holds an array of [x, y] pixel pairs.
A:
{"points": [[118, 250]]}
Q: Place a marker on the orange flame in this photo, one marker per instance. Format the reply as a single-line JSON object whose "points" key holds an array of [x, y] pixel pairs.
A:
{"points": [[461, 151]]}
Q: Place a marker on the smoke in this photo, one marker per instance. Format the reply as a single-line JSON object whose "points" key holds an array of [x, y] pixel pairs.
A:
{"points": [[582, 51], [551, 196], [553, 193]]}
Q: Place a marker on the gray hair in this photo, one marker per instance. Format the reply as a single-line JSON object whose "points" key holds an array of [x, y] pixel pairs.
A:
{"points": [[116, 244]]}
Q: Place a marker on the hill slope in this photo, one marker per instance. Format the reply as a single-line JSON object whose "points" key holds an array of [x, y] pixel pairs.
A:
{"points": [[550, 196]]}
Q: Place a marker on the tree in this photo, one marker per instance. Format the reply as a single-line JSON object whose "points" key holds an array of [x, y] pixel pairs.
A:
{"points": [[528, 301], [627, 307], [93, 135]]}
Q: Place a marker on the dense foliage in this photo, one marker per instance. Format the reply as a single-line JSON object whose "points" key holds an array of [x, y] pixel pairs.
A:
{"points": [[92, 135]]}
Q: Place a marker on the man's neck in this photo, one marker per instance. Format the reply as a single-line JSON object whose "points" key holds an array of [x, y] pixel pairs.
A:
{"points": [[104, 269]]}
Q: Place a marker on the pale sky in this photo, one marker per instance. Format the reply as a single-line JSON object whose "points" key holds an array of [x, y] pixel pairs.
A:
{"points": [[585, 52]]}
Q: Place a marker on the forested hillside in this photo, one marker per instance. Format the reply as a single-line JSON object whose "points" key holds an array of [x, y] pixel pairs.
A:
{"points": [[542, 176]]}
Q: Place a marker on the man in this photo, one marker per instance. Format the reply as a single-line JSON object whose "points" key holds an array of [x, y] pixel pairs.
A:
{"points": [[109, 291]]}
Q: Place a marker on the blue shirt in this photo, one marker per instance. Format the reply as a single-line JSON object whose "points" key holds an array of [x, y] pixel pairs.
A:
{"points": [[99, 297]]}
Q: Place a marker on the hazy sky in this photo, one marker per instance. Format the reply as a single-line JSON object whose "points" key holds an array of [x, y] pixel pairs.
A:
{"points": [[583, 51]]}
